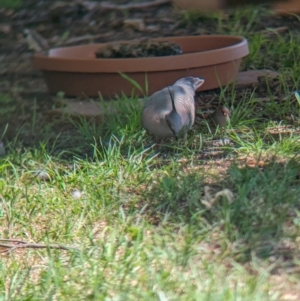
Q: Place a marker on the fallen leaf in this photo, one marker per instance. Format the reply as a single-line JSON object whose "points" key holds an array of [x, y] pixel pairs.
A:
{"points": [[254, 163], [5, 28], [35, 41], [153, 28], [137, 24], [209, 201]]}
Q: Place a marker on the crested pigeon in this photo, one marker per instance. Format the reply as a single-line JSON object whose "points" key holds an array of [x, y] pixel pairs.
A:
{"points": [[170, 112]]}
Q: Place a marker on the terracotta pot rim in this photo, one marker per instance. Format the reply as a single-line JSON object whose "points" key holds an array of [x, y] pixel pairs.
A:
{"points": [[237, 50]]}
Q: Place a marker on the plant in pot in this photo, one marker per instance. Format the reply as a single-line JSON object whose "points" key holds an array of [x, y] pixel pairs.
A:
{"points": [[95, 69]]}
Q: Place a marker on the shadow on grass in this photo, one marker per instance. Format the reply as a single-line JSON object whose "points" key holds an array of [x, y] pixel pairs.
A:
{"points": [[261, 218], [66, 136]]}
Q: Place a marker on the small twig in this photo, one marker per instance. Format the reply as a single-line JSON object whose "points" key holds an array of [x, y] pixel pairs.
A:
{"points": [[129, 6], [26, 245], [13, 240]]}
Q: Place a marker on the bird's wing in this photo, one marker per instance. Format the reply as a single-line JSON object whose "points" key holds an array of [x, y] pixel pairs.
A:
{"points": [[185, 105]]}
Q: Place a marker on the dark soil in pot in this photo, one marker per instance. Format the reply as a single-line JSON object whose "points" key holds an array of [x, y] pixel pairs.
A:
{"points": [[142, 48]]}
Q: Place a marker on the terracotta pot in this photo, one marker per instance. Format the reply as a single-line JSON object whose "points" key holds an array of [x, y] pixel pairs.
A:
{"points": [[77, 71], [288, 7]]}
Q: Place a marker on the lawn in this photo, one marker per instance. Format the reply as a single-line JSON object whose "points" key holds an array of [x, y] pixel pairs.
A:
{"points": [[121, 220]]}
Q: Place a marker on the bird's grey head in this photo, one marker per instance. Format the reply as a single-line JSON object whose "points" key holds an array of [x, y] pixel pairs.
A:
{"points": [[173, 119], [193, 82]]}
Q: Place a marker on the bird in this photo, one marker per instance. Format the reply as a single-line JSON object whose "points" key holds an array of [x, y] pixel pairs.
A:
{"points": [[221, 116], [170, 112]]}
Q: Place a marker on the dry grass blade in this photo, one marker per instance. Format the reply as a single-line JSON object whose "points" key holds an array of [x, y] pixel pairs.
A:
{"points": [[20, 244]]}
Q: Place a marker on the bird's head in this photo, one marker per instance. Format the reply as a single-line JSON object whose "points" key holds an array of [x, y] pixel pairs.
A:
{"points": [[224, 111], [190, 81]]}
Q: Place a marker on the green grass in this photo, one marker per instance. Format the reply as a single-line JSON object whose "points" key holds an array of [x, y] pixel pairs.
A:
{"points": [[145, 227], [10, 3]]}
